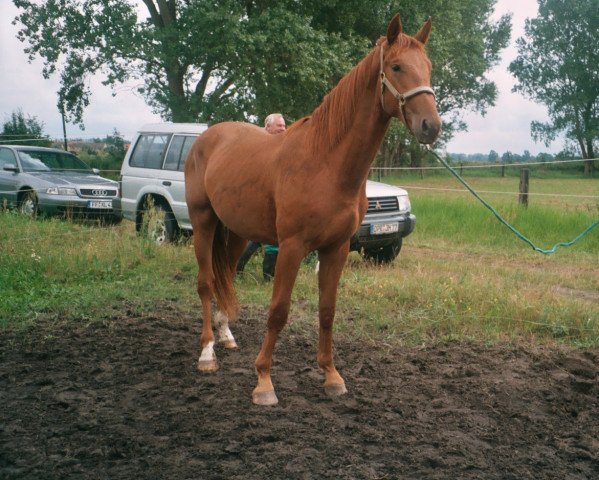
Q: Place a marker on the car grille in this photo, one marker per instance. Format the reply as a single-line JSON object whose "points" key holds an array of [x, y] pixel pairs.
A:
{"points": [[382, 204], [98, 192]]}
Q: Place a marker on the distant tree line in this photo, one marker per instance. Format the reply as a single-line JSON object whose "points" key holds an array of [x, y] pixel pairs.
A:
{"points": [[506, 157]]}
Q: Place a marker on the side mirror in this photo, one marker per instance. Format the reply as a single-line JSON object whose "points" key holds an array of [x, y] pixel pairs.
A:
{"points": [[11, 167], [96, 171]]}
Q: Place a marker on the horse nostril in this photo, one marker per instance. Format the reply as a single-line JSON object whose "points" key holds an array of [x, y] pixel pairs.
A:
{"points": [[429, 130]]}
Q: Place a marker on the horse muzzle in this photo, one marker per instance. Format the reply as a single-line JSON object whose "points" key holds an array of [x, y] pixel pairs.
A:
{"points": [[426, 128]]}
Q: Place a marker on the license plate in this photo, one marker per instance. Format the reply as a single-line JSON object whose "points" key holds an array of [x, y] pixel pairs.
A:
{"points": [[382, 228], [99, 204]]}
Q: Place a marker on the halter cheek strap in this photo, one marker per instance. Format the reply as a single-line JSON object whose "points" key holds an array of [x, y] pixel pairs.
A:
{"points": [[402, 98]]}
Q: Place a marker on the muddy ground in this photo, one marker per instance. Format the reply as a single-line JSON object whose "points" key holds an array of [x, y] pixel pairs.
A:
{"points": [[121, 399]]}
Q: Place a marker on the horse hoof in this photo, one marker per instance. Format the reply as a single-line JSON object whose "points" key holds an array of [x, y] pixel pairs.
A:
{"points": [[335, 389], [265, 398], [207, 366], [229, 344]]}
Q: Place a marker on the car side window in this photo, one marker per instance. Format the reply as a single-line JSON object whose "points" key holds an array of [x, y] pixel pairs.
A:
{"points": [[177, 152], [149, 150], [185, 151], [7, 158], [174, 153]]}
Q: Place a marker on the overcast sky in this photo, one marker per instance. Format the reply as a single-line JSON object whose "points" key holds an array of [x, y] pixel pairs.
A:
{"points": [[505, 127]]}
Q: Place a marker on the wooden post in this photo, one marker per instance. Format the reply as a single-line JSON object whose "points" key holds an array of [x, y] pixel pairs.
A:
{"points": [[64, 128], [523, 197]]}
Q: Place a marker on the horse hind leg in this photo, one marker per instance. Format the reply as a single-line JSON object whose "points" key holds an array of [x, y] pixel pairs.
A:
{"points": [[225, 337], [235, 246], [204, 225]]}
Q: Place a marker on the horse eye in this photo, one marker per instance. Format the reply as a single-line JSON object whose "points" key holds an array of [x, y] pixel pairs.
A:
{"points": [[395, 67]]}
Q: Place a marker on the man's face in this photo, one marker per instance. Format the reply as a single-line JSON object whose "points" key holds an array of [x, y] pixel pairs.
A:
{"points": [[276, 126]]}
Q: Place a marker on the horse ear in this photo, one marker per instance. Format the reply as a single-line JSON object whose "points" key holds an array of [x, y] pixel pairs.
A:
{"points": [[424, 32], [394, 29]]}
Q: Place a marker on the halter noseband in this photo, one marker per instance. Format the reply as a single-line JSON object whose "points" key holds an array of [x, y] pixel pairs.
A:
{"points": [[402, 98]]}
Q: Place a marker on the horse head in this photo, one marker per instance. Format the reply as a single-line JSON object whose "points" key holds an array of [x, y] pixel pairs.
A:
{"points": [[405, 79]]}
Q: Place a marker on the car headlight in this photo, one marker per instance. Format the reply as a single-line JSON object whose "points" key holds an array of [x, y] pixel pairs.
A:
{"points": [[61, 191], [404, 203]]}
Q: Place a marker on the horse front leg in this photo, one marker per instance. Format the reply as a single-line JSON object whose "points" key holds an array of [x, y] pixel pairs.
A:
{"points": [[331, 266], [289, 259]]}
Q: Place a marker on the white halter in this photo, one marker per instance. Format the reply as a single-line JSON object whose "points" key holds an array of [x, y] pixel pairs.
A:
{"points": [[402, 98]]}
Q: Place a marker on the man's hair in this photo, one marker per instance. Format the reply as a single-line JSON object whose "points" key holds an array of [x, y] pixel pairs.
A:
{"points": [[271, 118]]}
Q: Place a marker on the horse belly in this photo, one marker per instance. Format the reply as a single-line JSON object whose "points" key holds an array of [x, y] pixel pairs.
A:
{"points": [[240, 198]]}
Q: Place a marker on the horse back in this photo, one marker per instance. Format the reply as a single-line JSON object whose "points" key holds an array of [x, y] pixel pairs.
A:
{"points": [[231, 168]]}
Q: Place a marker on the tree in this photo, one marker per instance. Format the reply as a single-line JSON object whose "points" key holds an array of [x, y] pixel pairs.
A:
{"points": [[557, 66], [116, 146], [544, 157], [464, 45], [24, 130], [493, 156], [194, 60], [200, 60]]}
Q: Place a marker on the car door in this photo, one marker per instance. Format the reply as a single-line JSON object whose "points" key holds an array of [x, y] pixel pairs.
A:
{"points": [[174, 178], [143, 173], [8, 179]]}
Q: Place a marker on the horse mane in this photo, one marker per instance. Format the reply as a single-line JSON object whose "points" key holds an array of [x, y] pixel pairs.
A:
{"points": [[334, 116]]}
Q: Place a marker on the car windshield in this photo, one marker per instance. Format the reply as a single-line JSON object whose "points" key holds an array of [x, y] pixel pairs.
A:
{"points": [[49, 161]]}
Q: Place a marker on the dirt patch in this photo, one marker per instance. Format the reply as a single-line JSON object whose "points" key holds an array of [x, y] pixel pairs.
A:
{"points": [[122, 399], [578, 293]]}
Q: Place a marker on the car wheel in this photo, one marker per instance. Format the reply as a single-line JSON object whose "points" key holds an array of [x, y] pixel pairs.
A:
{"points": [[28, 204], [384, 254], [159, 225]]}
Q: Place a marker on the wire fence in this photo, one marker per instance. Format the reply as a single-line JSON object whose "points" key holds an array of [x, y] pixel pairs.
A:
{"points": [[71, 206], [490, 165]]}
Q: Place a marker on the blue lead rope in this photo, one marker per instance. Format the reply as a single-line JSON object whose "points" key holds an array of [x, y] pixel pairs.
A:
{"points": [[501, 219]]}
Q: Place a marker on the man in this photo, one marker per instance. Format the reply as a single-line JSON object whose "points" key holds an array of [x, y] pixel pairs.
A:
{"points": [[274, 124]]}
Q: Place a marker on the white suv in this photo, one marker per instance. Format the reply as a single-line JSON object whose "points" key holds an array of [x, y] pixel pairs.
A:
{"points": [[152, 176], [153, 193]]}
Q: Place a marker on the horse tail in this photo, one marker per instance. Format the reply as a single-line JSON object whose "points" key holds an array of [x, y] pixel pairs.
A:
{"points": [[224, 273]]}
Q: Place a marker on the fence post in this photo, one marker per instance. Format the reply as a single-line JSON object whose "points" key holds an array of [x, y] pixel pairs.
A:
{"points": [[523, 197]]}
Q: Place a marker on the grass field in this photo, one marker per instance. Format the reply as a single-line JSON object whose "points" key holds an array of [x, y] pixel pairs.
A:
{"points": [[461, 275]]}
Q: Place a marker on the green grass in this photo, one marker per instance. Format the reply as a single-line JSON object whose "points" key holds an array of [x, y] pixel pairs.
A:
{"points": [[461, 276], [464, 222], [59, 268]]}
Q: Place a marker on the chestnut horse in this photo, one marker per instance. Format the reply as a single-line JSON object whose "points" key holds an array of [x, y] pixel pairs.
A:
{"points": [[303, 189]]}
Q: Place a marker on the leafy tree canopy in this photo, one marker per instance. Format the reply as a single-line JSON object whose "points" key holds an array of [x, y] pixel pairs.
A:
{"points": [[199, 60], [21, 129], [558, 65]]}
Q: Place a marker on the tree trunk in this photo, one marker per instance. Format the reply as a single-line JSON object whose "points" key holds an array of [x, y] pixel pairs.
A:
{"points": [[589, 165]]}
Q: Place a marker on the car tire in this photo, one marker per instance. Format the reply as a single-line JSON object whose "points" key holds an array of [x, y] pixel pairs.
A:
{"points": [[159, 225], [383, 255], [28, 204]]}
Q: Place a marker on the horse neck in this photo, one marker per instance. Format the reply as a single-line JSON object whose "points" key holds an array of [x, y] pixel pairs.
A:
{"points": [[350, 124]]}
